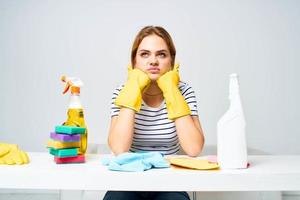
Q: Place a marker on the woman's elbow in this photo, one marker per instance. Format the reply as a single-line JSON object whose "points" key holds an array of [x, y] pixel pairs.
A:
{"points": [[117, 149], [194, 151]]}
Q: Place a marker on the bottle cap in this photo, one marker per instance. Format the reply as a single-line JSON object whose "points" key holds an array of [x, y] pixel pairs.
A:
{"points": [[75, 90]]}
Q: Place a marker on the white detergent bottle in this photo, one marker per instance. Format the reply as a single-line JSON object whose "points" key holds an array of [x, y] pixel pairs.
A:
{"points": [[232, 147]]}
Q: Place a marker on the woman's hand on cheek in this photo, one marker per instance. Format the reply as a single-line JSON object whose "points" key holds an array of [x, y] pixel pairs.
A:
{"points": [[176, 104], [131, 94], [170, 77]]}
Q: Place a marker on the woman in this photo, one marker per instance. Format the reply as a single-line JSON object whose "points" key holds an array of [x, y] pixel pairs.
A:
{"points": [[153, 110]]}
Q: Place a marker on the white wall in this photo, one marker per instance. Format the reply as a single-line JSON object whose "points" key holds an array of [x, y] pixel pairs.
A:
{"points": [[42, 40]]}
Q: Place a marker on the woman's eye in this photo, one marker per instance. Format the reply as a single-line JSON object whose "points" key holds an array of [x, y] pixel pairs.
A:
{"points": [[162, 55], [144, 54]]}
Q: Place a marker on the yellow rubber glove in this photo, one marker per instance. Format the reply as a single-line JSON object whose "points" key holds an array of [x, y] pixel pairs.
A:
{"points": [[4, 149], [176, 104], [131, 94], [13, 155]]}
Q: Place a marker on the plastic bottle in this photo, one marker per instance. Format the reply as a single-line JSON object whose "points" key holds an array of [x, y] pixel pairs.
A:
{"points": [[232, 147], [75, 109]]}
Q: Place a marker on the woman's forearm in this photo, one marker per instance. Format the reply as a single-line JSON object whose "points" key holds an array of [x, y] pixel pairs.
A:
{"points": [[121, 131], [190, 135]]}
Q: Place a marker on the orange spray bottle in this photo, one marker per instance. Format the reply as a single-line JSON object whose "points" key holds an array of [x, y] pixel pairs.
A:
{"points": [[75, 109]]}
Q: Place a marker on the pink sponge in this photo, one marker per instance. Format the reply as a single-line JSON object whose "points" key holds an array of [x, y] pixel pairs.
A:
{"points": [[76, 159]]}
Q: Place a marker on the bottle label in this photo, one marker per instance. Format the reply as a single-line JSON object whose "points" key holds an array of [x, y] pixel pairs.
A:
{"points": [[76, 118]]}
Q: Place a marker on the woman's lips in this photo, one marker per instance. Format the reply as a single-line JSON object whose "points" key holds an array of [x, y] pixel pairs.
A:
{"points": [[153, 70]]}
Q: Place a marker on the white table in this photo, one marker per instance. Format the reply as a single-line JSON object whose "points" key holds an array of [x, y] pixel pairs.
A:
{"points": [[266, 173]]}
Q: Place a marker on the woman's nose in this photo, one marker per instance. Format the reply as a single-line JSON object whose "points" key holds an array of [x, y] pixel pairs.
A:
{"points": [[153, 60]]}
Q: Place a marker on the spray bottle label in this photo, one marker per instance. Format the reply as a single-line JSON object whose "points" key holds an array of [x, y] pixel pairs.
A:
{"points": [[76, 118]]}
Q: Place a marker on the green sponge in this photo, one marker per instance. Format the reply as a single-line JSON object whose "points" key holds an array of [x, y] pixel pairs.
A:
{"points": [[62, 153], [70, 130]]}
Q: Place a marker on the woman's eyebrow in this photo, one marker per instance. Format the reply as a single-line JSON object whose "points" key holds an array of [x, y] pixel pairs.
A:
{"points": [[162, 51], [158, 51], [144, 50]]}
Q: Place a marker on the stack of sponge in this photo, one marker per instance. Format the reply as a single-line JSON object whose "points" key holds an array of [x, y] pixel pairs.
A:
{"points": [[64, 144]]}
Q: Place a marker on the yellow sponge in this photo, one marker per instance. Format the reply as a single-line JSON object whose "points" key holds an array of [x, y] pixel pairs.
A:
{"points": [[62, 145]]}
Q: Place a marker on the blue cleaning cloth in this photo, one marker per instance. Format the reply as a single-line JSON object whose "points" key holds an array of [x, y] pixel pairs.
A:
{"points": [[136, 162]]}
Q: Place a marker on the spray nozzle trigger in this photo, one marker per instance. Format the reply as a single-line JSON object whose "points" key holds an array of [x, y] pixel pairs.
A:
{"points": [[71, 82]]}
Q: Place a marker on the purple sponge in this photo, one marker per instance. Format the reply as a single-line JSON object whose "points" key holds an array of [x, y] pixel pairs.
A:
{"points": [[63, 137]]}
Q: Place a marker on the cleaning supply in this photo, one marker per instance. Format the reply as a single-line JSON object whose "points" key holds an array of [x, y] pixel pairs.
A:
{"points": [[136, 162], [76, 159], [70, 130], [131, 94], [232, 148], [10, 154], [193, 163], [175, 102], [62, 153], [75, 110], [62, 145], [4, 149], [65, 138]]}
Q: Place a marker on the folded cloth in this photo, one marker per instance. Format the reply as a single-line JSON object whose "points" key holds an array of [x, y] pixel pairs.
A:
{"points": [[136, 162], [193, 163]]}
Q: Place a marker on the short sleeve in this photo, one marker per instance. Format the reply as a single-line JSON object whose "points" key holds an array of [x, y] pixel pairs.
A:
{"points": [[114, 110], [189, 96]]}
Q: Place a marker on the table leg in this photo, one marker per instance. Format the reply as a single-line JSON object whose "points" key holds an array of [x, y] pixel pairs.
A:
{"points": [[194, 195]]}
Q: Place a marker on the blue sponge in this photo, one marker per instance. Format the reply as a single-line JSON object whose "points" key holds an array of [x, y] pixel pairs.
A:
{"points": [[62, 153], [70, 130]]}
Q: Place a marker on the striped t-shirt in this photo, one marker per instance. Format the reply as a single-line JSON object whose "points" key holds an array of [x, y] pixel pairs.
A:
{"points": [[153, 131]]}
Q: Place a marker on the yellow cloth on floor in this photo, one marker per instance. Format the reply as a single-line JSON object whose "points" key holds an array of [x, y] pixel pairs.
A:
{"points": [[193, 163], [62, 145]]}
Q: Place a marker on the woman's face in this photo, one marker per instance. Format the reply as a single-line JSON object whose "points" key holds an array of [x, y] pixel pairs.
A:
{"points": [[153, 57]]}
